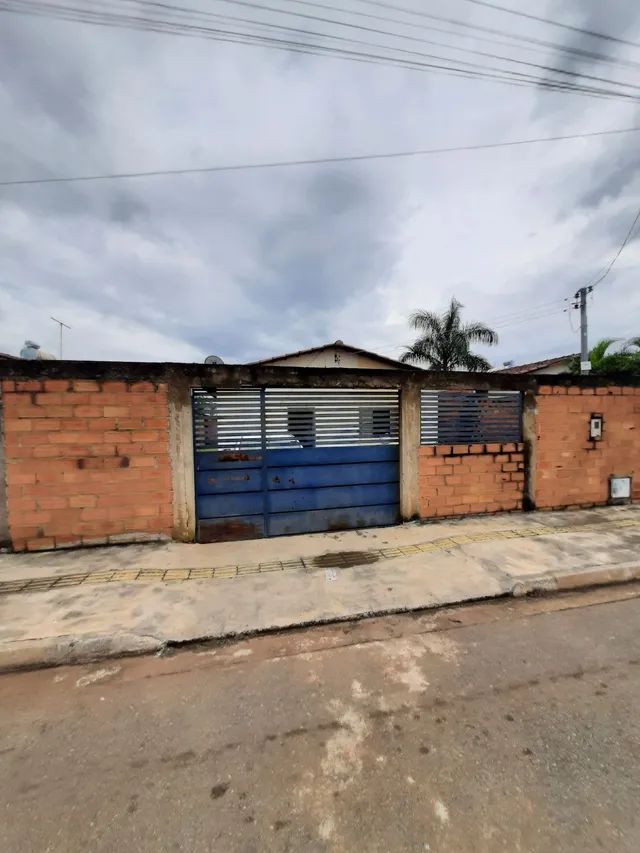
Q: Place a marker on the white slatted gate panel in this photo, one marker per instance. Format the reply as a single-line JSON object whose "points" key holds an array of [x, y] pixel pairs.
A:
{"points": [[227, 419], [331, 417]]}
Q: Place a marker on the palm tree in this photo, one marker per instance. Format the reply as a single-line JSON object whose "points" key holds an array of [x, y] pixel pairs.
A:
{"points": [[598, 354], [445, 342], [603, 362]]}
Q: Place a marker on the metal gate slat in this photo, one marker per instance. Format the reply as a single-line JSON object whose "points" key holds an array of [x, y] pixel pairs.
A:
{"points": [[288, 523], [334, 497], [331, 474]]}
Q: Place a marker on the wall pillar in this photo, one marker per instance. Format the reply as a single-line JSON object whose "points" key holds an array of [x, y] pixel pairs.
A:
{"points": [[181, 458], [4, 522], [409, 446], [530, 445]]}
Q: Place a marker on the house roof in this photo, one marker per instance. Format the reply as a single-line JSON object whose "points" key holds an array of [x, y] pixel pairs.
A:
{"points": [[532, 366], [336, 345]]}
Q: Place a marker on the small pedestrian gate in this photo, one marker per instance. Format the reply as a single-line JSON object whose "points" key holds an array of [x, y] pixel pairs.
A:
{"points": [[275, 461]]}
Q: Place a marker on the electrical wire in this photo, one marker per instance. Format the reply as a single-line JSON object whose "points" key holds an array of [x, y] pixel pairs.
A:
{"points": [[171, 28], [541, 20], [66, 12], [586, 54], [209, 15], [314, 161], [485, 54], [420, 26], [313, 50], [375, 30], [534, 312], [532, 315], [511, 315], [618, 253], [41, 9], [528, 319], [540, 316]]}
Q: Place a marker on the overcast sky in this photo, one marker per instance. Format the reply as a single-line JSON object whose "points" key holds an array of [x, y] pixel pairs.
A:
{"points": [[251, 264]]}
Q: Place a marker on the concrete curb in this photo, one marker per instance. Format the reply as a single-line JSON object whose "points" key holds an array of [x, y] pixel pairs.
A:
{"points": [[67, 650], [47, 652], [598, 576]]}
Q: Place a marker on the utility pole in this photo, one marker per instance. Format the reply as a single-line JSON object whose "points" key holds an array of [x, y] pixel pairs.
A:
{"points": [[585, 364], [61, 324]]}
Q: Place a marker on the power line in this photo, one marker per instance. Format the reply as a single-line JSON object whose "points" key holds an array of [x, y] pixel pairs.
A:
{"points": [[412, 24], [89, 16], [541, 20], [315, 161], [30, 7], [522, 312], [171, 27], [209, 15], [587, 54], [538, 66], [532, 317], [618, 253], [529, 308], [252, 5], [581, 300], [539, 316]]}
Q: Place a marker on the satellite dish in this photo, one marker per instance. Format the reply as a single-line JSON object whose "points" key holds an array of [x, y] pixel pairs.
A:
{"points": [[213, 359]]}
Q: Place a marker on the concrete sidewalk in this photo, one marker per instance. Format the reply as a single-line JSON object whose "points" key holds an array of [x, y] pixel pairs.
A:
{"points": [[63, 607]]}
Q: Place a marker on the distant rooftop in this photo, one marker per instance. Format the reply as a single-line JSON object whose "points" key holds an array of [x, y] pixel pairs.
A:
{"points": [[536, 366], [391, 362]]}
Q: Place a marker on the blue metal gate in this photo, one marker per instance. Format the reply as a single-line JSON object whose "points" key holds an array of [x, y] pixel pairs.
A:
{"points": [[277, 461]]}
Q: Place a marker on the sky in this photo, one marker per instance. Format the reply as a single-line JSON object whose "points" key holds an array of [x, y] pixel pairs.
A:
{"points": [[246, 265]]}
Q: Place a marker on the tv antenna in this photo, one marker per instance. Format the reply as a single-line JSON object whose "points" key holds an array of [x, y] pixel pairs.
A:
{"points": [[61, 324]]}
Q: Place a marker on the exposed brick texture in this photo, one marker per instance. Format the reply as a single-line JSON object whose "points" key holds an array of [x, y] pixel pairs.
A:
{"points": [[85, 461], [461, 479], [572, 470]]}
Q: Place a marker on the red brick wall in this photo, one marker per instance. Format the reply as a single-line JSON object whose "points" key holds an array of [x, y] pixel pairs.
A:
{"points": [[458, 479], [570, 469], [86, 462]]}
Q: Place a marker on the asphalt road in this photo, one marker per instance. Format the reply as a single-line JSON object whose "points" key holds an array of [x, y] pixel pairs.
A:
{"points": [[510, 726]]}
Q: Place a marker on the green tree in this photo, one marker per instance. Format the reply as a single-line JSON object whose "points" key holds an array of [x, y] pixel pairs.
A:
{"points": [[626, 360], [445, 342]]}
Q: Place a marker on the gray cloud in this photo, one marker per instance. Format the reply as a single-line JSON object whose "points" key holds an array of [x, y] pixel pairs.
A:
{"points": [[612, 175], [615, 19], [126, 209], [224, 263], [58, 91], [249, 264], [587, 55], [329, 237], [612, 228]]}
